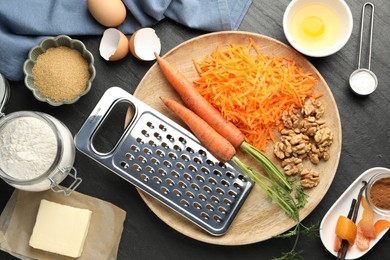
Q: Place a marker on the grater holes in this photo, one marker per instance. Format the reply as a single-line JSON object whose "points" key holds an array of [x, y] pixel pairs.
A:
{"points": [[170, 138], [195, 186], [202, 153], [185, 157], [157, 136], [173, 156], [210, 207], [150, 125], [214, 199], [237, 185], [217, 218], [164, 190], [182, 185], [192, 168], [184, 203], [162, 128], [135, 167], [144, 177], [190, 150], [190, 195], [149, 169], [157, 180], [140, 140], [242, 178], [199, 178], [202, 197], [220, 191], [217, 173], [207, 189], [197, 160], [160, 153], [205, 216], [222, 210], [212, 181], [125, 165], [176, 192], [180, 166], [177, 148], [167, 164], [165, 145], [129, 156], [197, 205], [225, 183], [230, 175], [162, 172], [145, 133], [134, 148], [155, 161], [210, 162], [182, 140], [141, 159], [152, 143], [233, 194], [147, 151], [175, 174], [170, 182], [222, 165], [205, 170], [227, 202], [187, 176]]}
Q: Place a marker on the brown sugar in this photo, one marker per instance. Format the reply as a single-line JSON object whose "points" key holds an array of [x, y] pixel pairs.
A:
{"points": [[60, 73], [380, 193]]}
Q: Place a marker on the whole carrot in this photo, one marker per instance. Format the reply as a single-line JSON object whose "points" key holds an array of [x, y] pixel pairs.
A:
{"points": [[215, 143], [200, 105]]}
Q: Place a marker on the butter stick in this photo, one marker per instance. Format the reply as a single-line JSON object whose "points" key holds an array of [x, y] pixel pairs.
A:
{"points": [[60, 229]]}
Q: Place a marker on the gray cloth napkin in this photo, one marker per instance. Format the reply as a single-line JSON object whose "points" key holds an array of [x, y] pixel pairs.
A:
{"points": [[23, 23]]}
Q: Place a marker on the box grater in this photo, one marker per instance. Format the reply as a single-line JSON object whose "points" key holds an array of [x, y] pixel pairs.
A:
{"points": [[166, 161]]}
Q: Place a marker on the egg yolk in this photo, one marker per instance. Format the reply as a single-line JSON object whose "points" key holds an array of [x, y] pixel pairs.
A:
{"points": [[313, 26]]}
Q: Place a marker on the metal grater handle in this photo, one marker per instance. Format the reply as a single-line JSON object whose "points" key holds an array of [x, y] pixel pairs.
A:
{"points": [[86, 133]]}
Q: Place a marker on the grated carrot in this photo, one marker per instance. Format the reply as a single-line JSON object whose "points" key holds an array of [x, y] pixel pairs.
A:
{"points": [[251, 89]]}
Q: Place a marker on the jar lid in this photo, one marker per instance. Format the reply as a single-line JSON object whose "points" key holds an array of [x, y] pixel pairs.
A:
{"points": [[4, 92]]}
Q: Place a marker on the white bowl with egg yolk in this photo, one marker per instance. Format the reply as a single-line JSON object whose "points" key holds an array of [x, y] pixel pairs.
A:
{"points": [[317, 28]]}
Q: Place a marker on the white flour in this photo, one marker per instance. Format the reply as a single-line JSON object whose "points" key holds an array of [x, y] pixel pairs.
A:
{"points": [[27, 148]]}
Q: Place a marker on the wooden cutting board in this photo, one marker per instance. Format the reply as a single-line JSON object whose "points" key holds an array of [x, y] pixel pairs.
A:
{"points": [[259, 219]]}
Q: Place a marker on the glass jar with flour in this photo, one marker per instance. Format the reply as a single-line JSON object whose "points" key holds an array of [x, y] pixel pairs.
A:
{"points": [[36, 152]]}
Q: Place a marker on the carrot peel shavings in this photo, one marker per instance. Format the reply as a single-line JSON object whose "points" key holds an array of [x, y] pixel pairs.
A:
{"points": [[251, 89]]}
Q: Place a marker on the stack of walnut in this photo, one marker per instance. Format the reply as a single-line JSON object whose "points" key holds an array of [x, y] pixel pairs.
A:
{"points": [[305, 135]]}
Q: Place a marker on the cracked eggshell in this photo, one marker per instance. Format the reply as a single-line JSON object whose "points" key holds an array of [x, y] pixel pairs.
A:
{"points": [[144, 43], [110, 13], [113, 45]]}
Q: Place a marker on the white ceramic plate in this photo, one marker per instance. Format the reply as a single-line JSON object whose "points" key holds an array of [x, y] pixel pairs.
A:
{"points": [[341, 207]]}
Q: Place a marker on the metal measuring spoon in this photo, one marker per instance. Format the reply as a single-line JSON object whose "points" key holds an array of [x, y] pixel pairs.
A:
{"points": [[364, 81], [4, 93]]}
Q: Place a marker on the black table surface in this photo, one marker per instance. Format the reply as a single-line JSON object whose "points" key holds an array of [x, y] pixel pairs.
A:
{"points": [[365, 136]]}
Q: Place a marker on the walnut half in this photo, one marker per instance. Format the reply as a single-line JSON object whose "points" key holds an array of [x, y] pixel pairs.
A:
{"points": [[309, 178]]}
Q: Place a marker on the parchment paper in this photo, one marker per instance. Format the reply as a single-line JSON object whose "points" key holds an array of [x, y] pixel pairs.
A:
{"points": [[18, 218]]}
